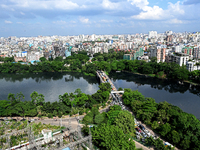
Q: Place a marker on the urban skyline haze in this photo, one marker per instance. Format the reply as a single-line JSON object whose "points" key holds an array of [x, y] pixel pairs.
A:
{"points": [[65, 17]]}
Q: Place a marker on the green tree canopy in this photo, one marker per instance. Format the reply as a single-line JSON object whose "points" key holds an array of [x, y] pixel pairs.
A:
{"points": [[125, 121], [112, 138]]}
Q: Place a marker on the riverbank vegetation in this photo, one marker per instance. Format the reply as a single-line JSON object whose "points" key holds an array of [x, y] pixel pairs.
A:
{"points": [[68, 104], [112, 61], [115, 129], [175, 126], [111, 130]]}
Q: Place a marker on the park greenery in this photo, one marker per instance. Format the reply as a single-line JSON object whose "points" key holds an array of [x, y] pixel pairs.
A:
{"points": [[111, 130], [112, 61], [115, 129], [68, 104], [175, 126]]}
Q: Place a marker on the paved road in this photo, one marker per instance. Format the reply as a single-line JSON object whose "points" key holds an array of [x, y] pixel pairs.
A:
{"points": [[138, 145]]}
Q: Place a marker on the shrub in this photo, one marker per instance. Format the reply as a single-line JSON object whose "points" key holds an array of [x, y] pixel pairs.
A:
{"points": [[50, 115], [59, 114], [81, 112]]}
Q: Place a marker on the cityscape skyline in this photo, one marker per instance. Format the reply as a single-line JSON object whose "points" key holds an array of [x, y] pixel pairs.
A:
{"points": [[65, 17]]}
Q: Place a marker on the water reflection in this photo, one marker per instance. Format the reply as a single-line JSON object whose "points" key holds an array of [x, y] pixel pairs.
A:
{"points": [[51, 85], [160, 84], [185, 96], [48, 77]]}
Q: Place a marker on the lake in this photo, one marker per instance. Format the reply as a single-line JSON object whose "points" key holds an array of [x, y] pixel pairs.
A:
{"points": [[185, 96], [51, 85]]}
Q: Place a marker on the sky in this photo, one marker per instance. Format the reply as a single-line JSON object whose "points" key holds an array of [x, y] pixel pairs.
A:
{"points": [[74, 17]]}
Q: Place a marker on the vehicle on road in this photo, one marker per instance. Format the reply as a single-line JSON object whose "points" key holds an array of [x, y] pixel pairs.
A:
{"points": [[143, 134], [138, 129], [142, 127], [137, 133], [168, 144], [147, 132]]}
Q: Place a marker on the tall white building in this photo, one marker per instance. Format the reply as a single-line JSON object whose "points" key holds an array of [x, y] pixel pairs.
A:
{"points": [[179, 58], [81, 37], [177, 49], [152, 34], [93, 37]]}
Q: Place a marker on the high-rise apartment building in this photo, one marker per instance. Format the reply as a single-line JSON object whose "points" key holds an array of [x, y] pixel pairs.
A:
{"points": [[187, 50], [196, 53], [158, 52]]}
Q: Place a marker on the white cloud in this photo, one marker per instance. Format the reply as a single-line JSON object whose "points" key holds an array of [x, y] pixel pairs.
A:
{"points": [[8, 22], [63, 4], [7, 7], [109, 5], [175, 8], [150, 13], [155, 12], [43, 4], [84, 20], [139, 3]]}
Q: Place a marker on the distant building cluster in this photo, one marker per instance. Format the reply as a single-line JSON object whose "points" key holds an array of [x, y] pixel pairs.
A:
{"points": [[181, 48]]}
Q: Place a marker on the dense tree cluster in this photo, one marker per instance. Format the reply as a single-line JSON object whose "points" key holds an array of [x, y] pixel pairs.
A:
{"points": [[112, 61], [71, 63], [7, 59], [158, 144], [174, 125], [114, 129], [71, 103]]}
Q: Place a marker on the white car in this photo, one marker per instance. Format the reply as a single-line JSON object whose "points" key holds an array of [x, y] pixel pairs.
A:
{"points": [[147, 132], [137, 133]]}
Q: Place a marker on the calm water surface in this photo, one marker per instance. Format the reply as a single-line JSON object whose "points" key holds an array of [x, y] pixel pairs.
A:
{"points": [[185, 96], [51, 85]]}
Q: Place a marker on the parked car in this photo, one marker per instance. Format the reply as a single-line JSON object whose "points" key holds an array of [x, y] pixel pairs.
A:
{"points": [[168, 144], [142, 127], [137, 133], [147, 132], [138, 129], [155, 137], [143, 134]]}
